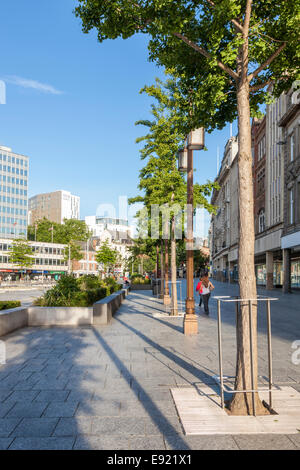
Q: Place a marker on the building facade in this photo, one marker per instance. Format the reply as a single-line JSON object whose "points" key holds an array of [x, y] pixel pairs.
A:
{"points": [[268, 253], [119, 228], [259, 173], [121, 245], [224, 225], [55, 206], [14, 172], [87, 264], [49, 261], [276, 186], [290, 241]]}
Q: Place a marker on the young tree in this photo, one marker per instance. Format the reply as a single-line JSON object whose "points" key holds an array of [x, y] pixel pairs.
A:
{"points": [[73, 229], [163, 185], [106, 256], [142, 247], [224, 54], [21, 255]]}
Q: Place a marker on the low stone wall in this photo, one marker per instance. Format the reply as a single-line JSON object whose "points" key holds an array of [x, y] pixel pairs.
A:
{"points": [[60, 316], [13, 319], [100, 313], [104, 309]]}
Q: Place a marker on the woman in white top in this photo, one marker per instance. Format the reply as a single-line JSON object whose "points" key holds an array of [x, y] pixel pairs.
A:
{"points": [[207, 287]]}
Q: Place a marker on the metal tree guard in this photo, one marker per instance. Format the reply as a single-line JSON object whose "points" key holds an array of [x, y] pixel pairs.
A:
{"points": [[268, 313]]}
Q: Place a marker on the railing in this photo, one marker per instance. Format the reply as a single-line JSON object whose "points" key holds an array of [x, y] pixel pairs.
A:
{"points": [[250, 303]]}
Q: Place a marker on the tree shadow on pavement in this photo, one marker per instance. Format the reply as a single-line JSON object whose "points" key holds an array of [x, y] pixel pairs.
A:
{"points": [[158, 418]]}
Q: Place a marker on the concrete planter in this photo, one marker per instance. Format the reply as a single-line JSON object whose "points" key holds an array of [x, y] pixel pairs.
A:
{"points": [[60, 316], [141, 287], [104, 309], [13, 319], [100, 313]]}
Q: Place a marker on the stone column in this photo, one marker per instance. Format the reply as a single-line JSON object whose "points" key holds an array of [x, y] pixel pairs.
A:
{"points": [[286, 270], [270, 270]]}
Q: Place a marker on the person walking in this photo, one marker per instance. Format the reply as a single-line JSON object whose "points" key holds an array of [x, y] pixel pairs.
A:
{"points": [[207, 287], [199, 290]]}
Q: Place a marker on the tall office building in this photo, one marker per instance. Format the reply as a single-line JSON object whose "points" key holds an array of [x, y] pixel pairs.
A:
{"points": [[14, 170], [55, 206]]}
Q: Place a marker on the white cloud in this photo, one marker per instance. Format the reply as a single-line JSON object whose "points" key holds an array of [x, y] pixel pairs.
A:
{"points": [[33, 84]]}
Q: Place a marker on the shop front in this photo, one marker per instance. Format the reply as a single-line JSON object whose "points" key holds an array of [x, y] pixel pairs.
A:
{"points": [[261, 274], [38, 275], [295, 273]]}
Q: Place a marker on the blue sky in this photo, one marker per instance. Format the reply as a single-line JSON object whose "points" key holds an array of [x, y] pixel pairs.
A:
{"points": [[72, 102]]}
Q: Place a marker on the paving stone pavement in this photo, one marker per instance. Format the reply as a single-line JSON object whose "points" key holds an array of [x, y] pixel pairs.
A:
{"points": [[109, 387]]}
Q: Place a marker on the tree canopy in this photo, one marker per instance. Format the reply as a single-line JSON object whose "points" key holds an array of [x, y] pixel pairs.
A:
{"points": [[106, 255], [21, 254], [160, 181], [198, 41], [70, 230]]}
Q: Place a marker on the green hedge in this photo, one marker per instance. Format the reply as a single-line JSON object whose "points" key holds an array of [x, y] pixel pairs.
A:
{"points": [[7, 304], [81, 292]]}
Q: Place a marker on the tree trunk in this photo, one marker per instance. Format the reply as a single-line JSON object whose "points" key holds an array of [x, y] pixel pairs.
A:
{"points": [[162, 271], [157, 262], [174, 309], [241, 403]]}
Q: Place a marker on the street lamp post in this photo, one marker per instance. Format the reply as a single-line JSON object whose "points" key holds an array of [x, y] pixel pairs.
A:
{"points": [[167, 298], [190, 324], [194, 141], [162, 270]]}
